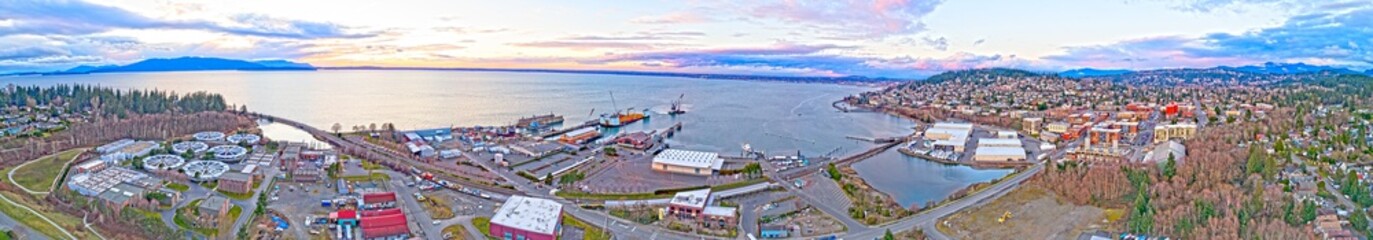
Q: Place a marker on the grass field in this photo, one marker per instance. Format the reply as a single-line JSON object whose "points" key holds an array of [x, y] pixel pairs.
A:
{"points": [[39, 174], [178, 187], [454, 232], [1034, 213], [438, 208], [483, 224], [72, 224], [588, 232]]}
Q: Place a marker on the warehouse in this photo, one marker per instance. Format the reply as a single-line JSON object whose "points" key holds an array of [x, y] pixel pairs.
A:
{"points": [[688, 162], [999, 154]]}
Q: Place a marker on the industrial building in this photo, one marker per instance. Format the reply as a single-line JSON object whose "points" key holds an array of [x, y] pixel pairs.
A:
{"points": [[949, 136], [999, 154], [387, 224], [688, 204], [580, 135], [527, 218], [122, 150], [688, 162]]}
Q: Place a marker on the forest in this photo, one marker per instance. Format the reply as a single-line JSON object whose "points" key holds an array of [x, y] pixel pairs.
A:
{"points": [[107, 102]]}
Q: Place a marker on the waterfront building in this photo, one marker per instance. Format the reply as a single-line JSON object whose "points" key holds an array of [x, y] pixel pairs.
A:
{"points": [[580, 135], [688, 162], [636, 140], [998, 142], [527, 218], [999, 154], [949, 136]]}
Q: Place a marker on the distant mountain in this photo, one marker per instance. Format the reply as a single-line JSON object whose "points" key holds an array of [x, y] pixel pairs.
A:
{"points": [[203, 64], [283, 64], [87, 68], [1286, 68], [1369, 72], [1089, 72]]}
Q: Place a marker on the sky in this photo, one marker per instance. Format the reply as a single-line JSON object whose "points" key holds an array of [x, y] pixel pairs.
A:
{"points": [[881, 38]]}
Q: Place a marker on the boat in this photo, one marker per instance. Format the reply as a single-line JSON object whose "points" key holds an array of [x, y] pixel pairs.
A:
{"points": [[677, 106], [539, 121], [619, 118]]}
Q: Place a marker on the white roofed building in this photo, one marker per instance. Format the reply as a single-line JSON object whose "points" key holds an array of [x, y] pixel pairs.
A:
{"points": [[688, 162], [527, 218], [999, 154]]}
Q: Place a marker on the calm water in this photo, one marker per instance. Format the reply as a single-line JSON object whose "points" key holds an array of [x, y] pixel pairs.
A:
{"points": [[916, 181], [722, 114]]}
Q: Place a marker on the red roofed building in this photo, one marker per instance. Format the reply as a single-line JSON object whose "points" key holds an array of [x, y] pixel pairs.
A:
{"points": [[389, 211], [378, 200], [386, 225]]}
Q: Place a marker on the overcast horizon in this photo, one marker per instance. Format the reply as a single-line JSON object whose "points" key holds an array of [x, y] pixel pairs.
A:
{"points": [[886, 38]]}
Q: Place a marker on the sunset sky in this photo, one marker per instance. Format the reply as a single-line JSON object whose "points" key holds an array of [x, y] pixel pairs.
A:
{"points": [[884, 38]]}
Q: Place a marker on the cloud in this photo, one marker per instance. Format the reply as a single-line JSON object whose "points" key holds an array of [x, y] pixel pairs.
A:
{"points": [[941, 43], [813, 60], [852, 17], [584, 45], [671, 18], [1342, 38], [72, 17]]}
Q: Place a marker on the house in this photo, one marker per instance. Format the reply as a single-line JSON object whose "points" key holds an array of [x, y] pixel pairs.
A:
{"points": [[527, 218], [687, 162], [211, 211]]}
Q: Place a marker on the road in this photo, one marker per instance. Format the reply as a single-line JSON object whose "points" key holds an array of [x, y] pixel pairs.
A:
{"points": [[251, 203], [45, 218], [926, 220]]}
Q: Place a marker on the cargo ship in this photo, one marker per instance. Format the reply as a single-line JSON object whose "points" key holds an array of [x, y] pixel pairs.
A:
{"points": [[539, 121], [620, 119]]}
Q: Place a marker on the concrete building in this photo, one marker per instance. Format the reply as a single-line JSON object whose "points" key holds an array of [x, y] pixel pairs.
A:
{"points": [[998, 142], [1057, 127], [211, 211], [89, 167], [527, 218], [688, 162], [130, 151], [236, 182], [1031, 125], [1180, 131]]}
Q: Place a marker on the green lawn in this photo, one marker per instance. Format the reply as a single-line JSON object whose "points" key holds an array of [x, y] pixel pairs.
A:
{"points": [[31, 220], [209, 184], [39, 175], [455, 232], [371, 177], [72, 224], [178, 186], [234, 212], [483, 224], [588, 232], [184, 223]]}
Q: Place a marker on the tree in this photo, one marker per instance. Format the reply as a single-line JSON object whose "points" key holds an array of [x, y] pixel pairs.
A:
{"points": [[1170, 168], [336, 128], [372, 127], [888, 235], [833, 172], [1359, 221]]}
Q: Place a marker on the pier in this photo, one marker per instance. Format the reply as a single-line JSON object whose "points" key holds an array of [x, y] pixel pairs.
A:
{"points": [[876, 140]]}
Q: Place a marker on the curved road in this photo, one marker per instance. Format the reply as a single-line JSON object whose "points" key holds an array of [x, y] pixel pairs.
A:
{"points": [[926, 220]]}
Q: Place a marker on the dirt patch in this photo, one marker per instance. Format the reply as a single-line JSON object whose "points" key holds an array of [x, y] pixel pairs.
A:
{"points": [[1034, 214]]}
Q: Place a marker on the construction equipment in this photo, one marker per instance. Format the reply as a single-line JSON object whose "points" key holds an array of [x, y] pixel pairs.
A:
{"points": [[1004, 217]]}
